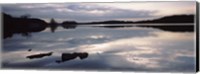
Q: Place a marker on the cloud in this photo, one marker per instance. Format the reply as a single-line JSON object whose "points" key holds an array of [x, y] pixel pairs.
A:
{"points": [[79, 7], [75, 11]]}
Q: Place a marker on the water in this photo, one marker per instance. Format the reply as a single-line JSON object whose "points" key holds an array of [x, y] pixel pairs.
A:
{"points": [[122, 49]]}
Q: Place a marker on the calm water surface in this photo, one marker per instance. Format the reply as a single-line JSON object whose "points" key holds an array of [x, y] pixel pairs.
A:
{"points": [[125, 49]]}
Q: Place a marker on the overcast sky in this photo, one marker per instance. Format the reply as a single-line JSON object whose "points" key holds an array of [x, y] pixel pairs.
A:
{"points": [[86, 12]]}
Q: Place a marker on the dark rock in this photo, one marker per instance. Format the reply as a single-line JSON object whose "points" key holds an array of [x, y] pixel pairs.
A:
{"points": [[39, 55], [71, 56], [29, 49], [82, 55]]}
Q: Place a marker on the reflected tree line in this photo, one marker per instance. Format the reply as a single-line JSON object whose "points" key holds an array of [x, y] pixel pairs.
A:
{"points": [[25, 25], [66, 24]]}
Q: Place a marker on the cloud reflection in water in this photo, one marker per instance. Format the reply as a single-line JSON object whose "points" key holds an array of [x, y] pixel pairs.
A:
{"points": [[129, 49]]}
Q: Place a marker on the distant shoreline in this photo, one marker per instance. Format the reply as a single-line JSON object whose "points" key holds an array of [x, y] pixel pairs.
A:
{"points": [[140, 23], [166, 19]]}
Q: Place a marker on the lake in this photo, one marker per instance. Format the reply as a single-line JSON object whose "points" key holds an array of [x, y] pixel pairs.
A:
{"points": [[109, 49]]}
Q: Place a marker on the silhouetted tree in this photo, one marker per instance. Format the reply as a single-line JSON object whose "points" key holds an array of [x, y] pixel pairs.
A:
{"points": [[53, 25], [22, 25], [69, 24]]}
